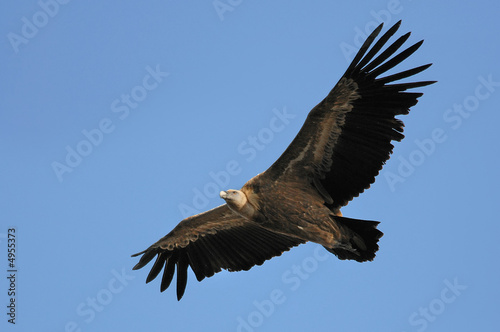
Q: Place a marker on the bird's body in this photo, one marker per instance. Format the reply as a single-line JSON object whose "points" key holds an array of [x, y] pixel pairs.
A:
{"points": [[343, 144], [298, 210]]}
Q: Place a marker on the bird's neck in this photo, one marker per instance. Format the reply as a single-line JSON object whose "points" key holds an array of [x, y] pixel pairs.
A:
{"points": [[246, 210]]}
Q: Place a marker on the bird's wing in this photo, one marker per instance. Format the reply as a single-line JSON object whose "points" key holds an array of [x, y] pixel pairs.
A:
{"points": [[346, 138], [208, 242]]}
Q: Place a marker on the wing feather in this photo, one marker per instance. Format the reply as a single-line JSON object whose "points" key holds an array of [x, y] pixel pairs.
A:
{"points": [[209, 242], [376, 48], [346, 138], [182, 267], [157, 267], [383, 56], [168, 272]]}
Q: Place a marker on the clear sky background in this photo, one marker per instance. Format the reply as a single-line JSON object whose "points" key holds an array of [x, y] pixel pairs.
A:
{"points": [[200, 83]]}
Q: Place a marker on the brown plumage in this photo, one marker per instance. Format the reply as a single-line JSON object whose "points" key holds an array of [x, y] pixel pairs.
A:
{"points": [[340, 149]]}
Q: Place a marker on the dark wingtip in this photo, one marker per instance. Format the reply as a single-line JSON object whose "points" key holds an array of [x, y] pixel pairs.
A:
{"points": [[139, 253], [364, 48], [138, 266], [182, 267], [419, 43], [149, 254], [168, 272], [157, 266], [427, 66], [424, 83]]}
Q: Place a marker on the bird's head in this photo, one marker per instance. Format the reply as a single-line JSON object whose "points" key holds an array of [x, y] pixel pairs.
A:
{"points": [[234, 198]]}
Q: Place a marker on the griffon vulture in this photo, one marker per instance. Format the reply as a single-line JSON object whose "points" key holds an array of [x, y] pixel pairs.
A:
{"points": [[342, 146]]}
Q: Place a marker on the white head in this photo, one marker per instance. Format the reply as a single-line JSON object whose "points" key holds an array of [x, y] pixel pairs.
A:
{"points": [[234, 198]]}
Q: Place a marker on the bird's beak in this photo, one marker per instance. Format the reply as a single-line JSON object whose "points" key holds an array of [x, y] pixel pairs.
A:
{"points": [[223, 194]]}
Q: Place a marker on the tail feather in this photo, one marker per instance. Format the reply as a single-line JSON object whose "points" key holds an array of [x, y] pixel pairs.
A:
{"points": [[360, 243]]}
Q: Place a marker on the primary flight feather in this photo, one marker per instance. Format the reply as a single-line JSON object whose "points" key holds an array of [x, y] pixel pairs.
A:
{"points": [[338, 152]]}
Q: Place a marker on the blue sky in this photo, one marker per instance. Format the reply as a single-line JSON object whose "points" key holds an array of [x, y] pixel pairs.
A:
{"points": [[120, 118]]}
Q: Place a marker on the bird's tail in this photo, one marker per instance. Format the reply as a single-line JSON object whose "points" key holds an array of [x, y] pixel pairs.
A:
{"points": [[360, 239]]}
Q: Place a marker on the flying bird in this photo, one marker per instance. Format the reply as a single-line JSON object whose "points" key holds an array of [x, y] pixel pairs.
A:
{"points": [[338, 152]]}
